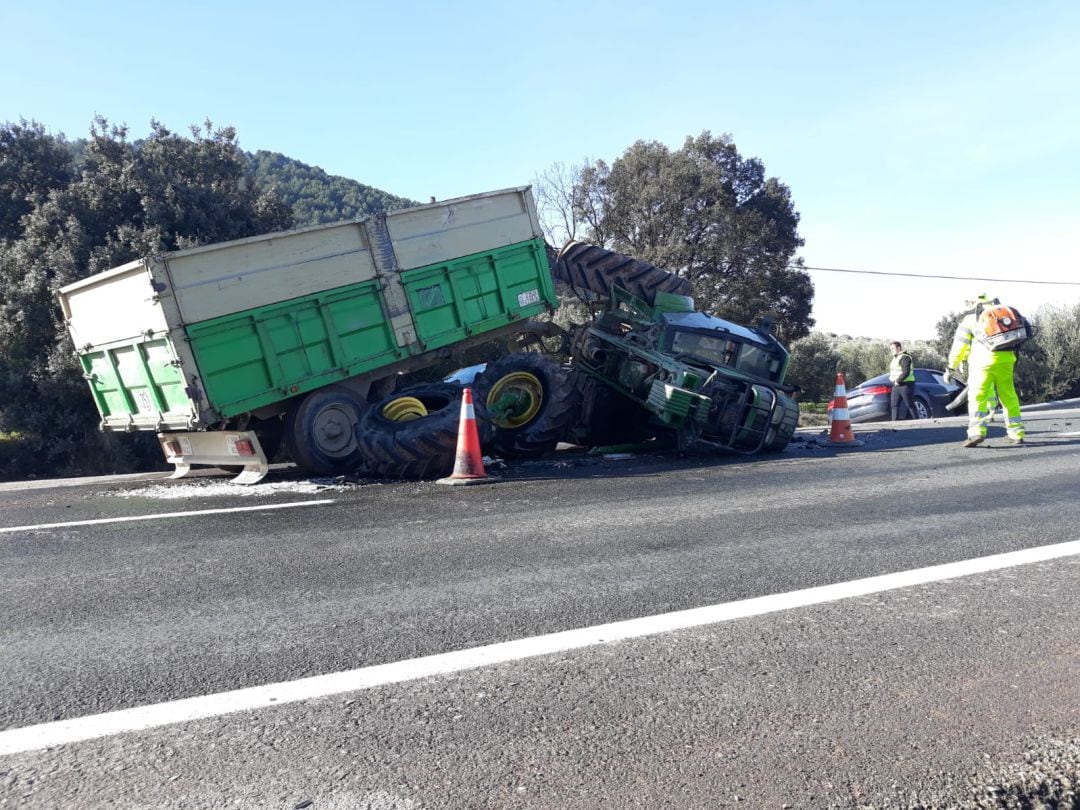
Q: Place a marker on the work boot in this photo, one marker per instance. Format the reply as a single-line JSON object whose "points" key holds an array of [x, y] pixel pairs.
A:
{"points": [[1017, 440], [973, 441]]}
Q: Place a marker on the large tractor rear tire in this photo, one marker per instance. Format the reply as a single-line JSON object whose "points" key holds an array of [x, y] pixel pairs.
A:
{"points": [[320, 431], [592, 268], [530, 402], [413, 433]]}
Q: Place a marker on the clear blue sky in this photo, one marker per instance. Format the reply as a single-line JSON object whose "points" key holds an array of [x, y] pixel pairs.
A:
{"points": [[919, 137]]}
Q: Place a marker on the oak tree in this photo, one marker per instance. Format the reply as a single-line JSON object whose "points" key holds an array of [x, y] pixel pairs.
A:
{"points": [[706, 213]]}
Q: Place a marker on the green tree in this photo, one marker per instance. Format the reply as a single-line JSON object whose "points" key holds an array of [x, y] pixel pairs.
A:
{"points": [[313, 195], [1048, 366], [862, 358], [814, 363], [925, 354], [945, 329], [32, 163], [125, 200], [708, 214]]}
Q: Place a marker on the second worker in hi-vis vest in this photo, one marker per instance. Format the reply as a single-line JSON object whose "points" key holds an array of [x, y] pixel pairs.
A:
{"points": [[902, 377]]}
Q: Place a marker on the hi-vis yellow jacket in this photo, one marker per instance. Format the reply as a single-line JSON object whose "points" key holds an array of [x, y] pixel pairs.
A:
{"points": [[966, 346]]}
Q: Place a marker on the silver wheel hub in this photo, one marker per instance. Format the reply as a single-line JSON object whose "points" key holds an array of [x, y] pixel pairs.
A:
{"points": [[334, 431]]}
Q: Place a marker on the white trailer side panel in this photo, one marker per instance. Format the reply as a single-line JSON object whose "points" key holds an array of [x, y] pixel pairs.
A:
{"points": [[235, 276], [441, 231], [216, 280], [119, 305]]}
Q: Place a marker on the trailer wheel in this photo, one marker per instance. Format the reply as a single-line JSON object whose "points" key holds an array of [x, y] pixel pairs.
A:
{"points": [[530, 402], [320, 431], [588, 267], [412, 433]]}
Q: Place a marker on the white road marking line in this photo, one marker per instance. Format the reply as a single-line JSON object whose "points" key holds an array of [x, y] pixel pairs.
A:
{"points": [[62, 732], [163, 515]]}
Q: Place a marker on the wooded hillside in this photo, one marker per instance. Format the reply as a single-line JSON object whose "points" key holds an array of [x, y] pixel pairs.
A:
{"points": [[313, 195]]}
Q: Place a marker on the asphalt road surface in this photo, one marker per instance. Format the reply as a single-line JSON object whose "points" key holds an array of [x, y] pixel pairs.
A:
{"points": [[891, 625]]}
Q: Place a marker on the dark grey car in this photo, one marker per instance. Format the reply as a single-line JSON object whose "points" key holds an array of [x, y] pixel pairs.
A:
{"points": [[869, 401]]}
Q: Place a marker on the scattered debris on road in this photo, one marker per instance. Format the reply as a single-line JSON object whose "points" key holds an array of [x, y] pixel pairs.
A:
{"points": [[222, 488]]}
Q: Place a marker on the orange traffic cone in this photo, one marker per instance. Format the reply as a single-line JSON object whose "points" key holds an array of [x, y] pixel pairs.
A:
{"points": [[469, 461], [840, 432]]}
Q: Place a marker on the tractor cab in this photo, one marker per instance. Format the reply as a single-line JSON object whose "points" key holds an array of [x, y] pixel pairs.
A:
{"points": [[715, 343]]}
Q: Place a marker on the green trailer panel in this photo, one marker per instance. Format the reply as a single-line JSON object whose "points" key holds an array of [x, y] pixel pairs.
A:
{"points": [[259, 357], [453, 300], [137, 381]]}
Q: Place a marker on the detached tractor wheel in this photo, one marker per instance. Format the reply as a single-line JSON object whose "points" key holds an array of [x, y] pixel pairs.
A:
{"points": [[413, 433], [320, 431], [592, 268], [529, 401]]}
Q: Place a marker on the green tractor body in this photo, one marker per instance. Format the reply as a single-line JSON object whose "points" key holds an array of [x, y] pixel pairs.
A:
{"points": [[691, 374]]}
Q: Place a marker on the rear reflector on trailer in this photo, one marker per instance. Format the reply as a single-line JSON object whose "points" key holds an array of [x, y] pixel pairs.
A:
{"points": [[227, 449]]}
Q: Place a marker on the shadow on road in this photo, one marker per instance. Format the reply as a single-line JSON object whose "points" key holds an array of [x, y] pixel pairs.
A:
{"points": [[1043, 428]]}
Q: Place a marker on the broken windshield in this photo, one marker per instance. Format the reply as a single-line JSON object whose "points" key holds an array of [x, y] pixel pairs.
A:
{"points": [[722, 350]]}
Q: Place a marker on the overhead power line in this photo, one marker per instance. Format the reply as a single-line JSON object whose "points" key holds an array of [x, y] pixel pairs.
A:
{"points": [[930, 275]]}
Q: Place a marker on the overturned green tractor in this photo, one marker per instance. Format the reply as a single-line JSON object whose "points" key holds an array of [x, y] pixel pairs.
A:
{"points": [[647, 366], [691, 375]]}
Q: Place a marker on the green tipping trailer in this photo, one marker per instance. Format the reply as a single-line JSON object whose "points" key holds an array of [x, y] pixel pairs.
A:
{"points": [[225, 348]]}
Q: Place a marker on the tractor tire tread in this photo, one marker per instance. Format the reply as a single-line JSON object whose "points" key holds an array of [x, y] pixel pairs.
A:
{"points": [[596, 269], [559, 411], [416, 449]]}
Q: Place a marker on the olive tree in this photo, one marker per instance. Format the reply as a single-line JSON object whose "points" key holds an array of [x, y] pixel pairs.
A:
{"points": [[814, 363]]}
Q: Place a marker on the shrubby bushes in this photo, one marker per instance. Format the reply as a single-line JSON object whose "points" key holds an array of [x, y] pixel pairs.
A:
{"points": [[1049, 365], [816, 358]]}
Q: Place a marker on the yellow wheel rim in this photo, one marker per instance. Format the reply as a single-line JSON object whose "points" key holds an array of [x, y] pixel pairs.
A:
{"points": [[404, 409], [515, 399]]}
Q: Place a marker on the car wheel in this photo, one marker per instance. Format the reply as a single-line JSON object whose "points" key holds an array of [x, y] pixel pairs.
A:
{"points": [[922, 408]]}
